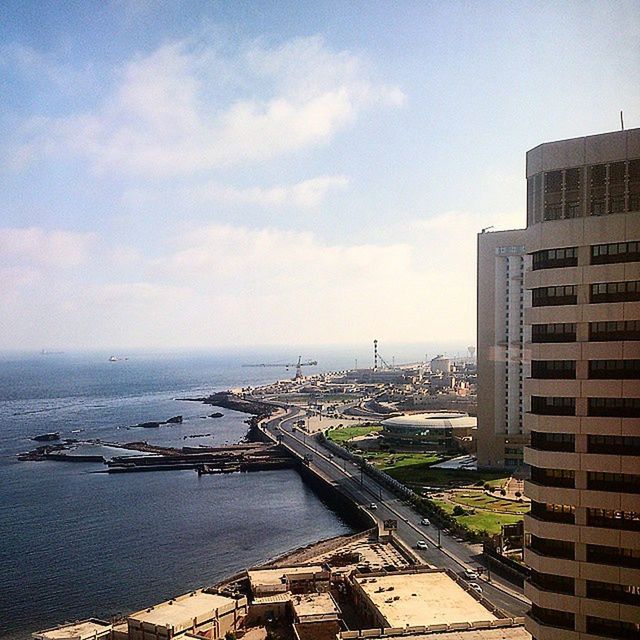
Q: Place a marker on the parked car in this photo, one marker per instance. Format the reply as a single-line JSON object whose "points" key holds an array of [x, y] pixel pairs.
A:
{"points": [[421, 544], [476, 587], [425, 522], [470, 574]]}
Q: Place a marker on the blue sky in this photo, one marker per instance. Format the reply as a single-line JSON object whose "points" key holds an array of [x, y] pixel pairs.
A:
{"points": [[202, 174]]}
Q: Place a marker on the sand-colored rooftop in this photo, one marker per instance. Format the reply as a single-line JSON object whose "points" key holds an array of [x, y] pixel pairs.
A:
{"points": [[315, 606], [75, 631], [278, 576], [504, 633], [425, 598], [181, 611]]}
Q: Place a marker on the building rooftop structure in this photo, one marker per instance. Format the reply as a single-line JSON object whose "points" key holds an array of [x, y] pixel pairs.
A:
{"points": [[508, 631], [432, 420], [81, 630], [280, 579], [420, 599], [179, 614], [315, 607]]}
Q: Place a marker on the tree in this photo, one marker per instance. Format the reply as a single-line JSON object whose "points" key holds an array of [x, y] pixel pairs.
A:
{"points": [[458, 510]]}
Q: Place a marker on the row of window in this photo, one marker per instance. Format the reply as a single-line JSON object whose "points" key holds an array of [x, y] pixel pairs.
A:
{"points": [[605, 518], [599, 554], [552, 582], [614, 445], [623, 593], [609, 629], [610, 253], [602, 407], [609, 331], [601, 292], [622, 482], [598, 369]]}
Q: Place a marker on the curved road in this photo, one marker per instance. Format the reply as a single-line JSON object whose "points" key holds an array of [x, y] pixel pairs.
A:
{"points": [[364, 490]]}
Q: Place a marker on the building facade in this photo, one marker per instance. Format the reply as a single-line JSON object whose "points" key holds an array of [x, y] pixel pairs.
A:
{"points": [[582, 397], [500, 349]]}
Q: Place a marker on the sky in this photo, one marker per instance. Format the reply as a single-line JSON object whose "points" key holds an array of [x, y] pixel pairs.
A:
{"points": [[210, 174]]}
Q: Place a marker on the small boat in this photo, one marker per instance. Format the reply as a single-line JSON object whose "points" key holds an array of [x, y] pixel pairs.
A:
{"points": [[47, 437]]}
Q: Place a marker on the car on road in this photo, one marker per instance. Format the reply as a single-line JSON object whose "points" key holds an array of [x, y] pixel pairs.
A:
{"points": [[470, 574], [425, 522], [330, 456], [421, 544], [476, 587], [373, 506]]}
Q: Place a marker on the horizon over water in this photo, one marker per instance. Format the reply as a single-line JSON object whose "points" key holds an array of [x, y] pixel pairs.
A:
{"points": [[76, 543]]}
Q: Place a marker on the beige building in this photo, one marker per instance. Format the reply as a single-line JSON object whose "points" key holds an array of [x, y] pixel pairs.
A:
{"points": [[581, 386], [208, 615], [500, 348]]}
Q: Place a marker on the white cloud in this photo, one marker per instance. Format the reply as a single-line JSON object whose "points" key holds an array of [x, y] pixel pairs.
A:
{"points": [[305, 194], [169, 112], [39, 248]]}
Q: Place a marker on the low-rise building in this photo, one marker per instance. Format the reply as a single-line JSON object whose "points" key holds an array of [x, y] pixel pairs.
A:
{"points": [[91, 629], [209, 614], [299, 579], [316, 616], [416, 598]]}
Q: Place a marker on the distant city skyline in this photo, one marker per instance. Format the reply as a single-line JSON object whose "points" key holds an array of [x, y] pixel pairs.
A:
{"points": [[184, 175]]}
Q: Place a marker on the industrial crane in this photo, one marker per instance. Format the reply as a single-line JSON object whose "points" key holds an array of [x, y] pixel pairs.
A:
{"points": [[298, 365]]}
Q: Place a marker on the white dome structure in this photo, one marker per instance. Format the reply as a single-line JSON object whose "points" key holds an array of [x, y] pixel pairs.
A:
{"points": [[441, 431]]}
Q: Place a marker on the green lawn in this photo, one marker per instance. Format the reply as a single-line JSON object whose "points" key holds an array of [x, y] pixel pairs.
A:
{"points": [[343, 434], [420, 472], [482, 520], [479, 499]]}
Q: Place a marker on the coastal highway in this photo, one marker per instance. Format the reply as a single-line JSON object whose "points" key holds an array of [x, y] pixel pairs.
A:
{"points": [[364, 490]]}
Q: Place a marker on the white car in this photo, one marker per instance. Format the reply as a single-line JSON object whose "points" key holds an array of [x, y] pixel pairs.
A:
{"points": [[425, 522], [470, 574], [421, 544], [373, 506], [476, 587]]}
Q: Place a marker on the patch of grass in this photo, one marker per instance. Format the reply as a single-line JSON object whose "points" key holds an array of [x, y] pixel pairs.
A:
{"points": [[481, 500], [480, 521], [421, 473], [343, 434]]}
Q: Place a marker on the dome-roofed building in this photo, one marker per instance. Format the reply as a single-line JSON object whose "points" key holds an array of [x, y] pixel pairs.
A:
{"points": [[441, 431]]}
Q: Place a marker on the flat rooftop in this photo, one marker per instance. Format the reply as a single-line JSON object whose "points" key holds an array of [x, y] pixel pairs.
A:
{"points": [[275, 576], [183, 609], [75, 631], [320, 606], [417, 599]]}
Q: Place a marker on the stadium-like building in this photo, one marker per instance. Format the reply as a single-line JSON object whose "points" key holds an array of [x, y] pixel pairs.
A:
{"points": [[443, 431]]}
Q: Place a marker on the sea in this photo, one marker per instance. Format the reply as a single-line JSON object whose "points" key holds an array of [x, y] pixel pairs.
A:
{"points": [[76, 542]]}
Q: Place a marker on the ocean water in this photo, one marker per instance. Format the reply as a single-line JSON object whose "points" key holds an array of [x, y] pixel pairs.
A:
{"points": [[76, 542]]}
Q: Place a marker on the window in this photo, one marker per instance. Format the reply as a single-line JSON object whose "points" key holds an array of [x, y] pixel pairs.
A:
{"points": [[553, 406], [553, 296], [624, 593], [552, 548], [552, 582], [627, 520], [554, 258], [614, 407], [552, 617], [553, 477], [614, 369], [553, 369], [613, 331], [551, 512], [619, 557], [613, 629], [619, 482], [615, 445], [553, 441], [628, 291], [615, 252], [556, 332]]}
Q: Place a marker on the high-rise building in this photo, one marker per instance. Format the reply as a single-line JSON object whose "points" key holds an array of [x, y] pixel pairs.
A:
{"points": [[583, 397], [581, 387], [501, 369]]}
